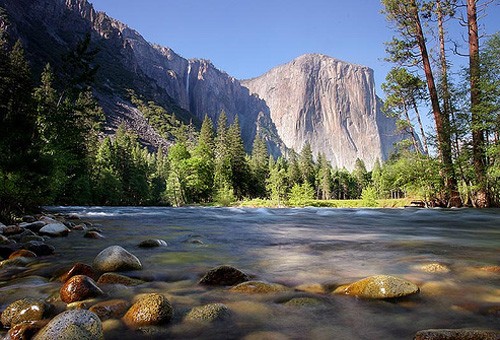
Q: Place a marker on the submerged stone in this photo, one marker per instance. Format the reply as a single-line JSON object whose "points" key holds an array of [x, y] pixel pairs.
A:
{"points": [[457, 334], [113, 278], [115, 258], [111, 309], [208, 313], [223, 276], [152, 243], [379, 287], [259, 287]]}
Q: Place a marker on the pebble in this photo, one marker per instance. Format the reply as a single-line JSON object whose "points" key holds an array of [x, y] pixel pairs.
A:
{"points": [[113, 278], [39, 248], [149, 310], [457, 334], [22, 253], [71, 325], [111, 309], [93, 235], [79, 269], [115, 258], [259, 287], [78, 288], [152, 243], [26, 330], [208, 313], [223, 276]]}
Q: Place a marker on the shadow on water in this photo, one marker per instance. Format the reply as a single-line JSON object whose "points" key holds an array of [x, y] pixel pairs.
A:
{"points": [[311, 246]]}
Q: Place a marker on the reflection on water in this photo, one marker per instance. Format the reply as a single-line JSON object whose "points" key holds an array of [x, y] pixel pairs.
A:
{"points": [[310, 246]]}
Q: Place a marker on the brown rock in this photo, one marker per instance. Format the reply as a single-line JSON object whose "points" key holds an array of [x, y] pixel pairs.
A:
{"points": [[224, 276], [23, 310], [79, 269], [113, 278], [379, 287], [491, 269], [259, 287], [22, 253], [26, 330], [93, 235], [149, 310], [111, 309], [78, 288], [457, 334], [12, 230]]}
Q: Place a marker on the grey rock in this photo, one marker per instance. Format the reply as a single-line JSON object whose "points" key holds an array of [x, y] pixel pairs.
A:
{"points": [[34, 226], [72, 324], [115, 258], [208, 313], [54, 230], [379, 287], [457, 334], [152, 243], [223, 276]]}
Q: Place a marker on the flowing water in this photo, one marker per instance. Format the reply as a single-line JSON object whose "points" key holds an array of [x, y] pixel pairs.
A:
{"points": [[312, 246]]}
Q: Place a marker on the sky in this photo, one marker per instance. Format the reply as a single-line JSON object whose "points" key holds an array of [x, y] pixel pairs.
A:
{"points": [[246, 38]]}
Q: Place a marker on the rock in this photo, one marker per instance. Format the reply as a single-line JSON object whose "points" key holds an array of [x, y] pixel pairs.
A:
{"points": [[71, 325], [457, 334], [490, 269], [335, 98], [113, 278], [111, 309], [12, 230], [72, 216], [48, 220], [83, 304], [79, 269], [303, 302], [81, 226], [78, 288], [16, 262], [434, 268], [39, 248], [379, 287], [24, 310], [223, 276], [152, 243], [28, 219], [22, 236], [149, 310], [9, 248], [115, 258], [208, 313], [314, 288], [4, 240], [35, 226], [93, 235], [22, 253], [54, 230], [259, 287], [26, 330]]}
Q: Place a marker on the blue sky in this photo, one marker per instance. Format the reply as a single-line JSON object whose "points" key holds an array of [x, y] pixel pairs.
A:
{"points": [[246, 38]]}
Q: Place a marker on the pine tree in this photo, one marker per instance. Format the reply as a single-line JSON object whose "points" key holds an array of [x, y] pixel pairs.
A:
{"points": [[306, 164], [223, 176], [277, 183], [259, 166], [324, 178], [239, 166]]}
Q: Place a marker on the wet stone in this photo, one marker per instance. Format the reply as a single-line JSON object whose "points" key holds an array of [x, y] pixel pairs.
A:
{"points": [[93, 235], [78, 288], [115, 258], [259, 287], [39, 248], [434, 268], [22, 253], [152, 243], [26, 330], [24, 310], [72, 324], [379, 287], [149, 310], [35, 226], [79, 269], [223, 276], [303, 302], [12, 230], [208, 313], [111, 309], [113, 278], [54, 230], [28, 219]]}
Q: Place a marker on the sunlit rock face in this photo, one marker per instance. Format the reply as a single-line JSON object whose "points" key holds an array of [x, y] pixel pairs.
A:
{"points": [[329, 103]]}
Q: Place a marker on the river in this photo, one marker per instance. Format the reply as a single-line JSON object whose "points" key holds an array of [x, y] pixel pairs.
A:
{"points": [[310, 246]]}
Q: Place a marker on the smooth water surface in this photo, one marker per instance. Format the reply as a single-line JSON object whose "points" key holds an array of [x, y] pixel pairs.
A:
{"points": [[309, 246]]}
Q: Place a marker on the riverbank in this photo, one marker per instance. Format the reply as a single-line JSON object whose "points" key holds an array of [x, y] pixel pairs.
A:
{"points": [[380, 203]]}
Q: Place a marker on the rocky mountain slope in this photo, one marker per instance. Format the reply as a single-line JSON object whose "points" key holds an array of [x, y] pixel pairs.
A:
{"points": [[318, 99], [329, 103]]}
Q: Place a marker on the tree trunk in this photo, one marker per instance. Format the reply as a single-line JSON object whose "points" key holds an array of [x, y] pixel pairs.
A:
{"points": [[478, 151], [421, 126], [410, 125], [442, 121]]}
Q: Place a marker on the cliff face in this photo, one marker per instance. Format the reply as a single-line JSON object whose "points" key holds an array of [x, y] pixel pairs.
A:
{"points": [[330, 104]]}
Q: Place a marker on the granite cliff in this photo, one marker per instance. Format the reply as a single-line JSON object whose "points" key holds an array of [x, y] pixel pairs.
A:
{"points": [[329, 103]]}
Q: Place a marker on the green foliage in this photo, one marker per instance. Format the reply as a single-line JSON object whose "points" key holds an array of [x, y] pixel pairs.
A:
{"points": [[369, 197], [277, 183], [301, 195]]}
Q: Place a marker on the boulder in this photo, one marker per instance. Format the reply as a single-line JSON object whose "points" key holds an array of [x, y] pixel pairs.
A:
{"points": [[28, 309], [259, 287], [54, 230], [457, 334], [78, 288], [111, 309], [152, 243], [149, 310], [79, 269], [115, 258], [223, 276], [379, 287], [93, 235], [71, 325], [40, 248], [208, 313], [34, 226], [113, 278]]}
